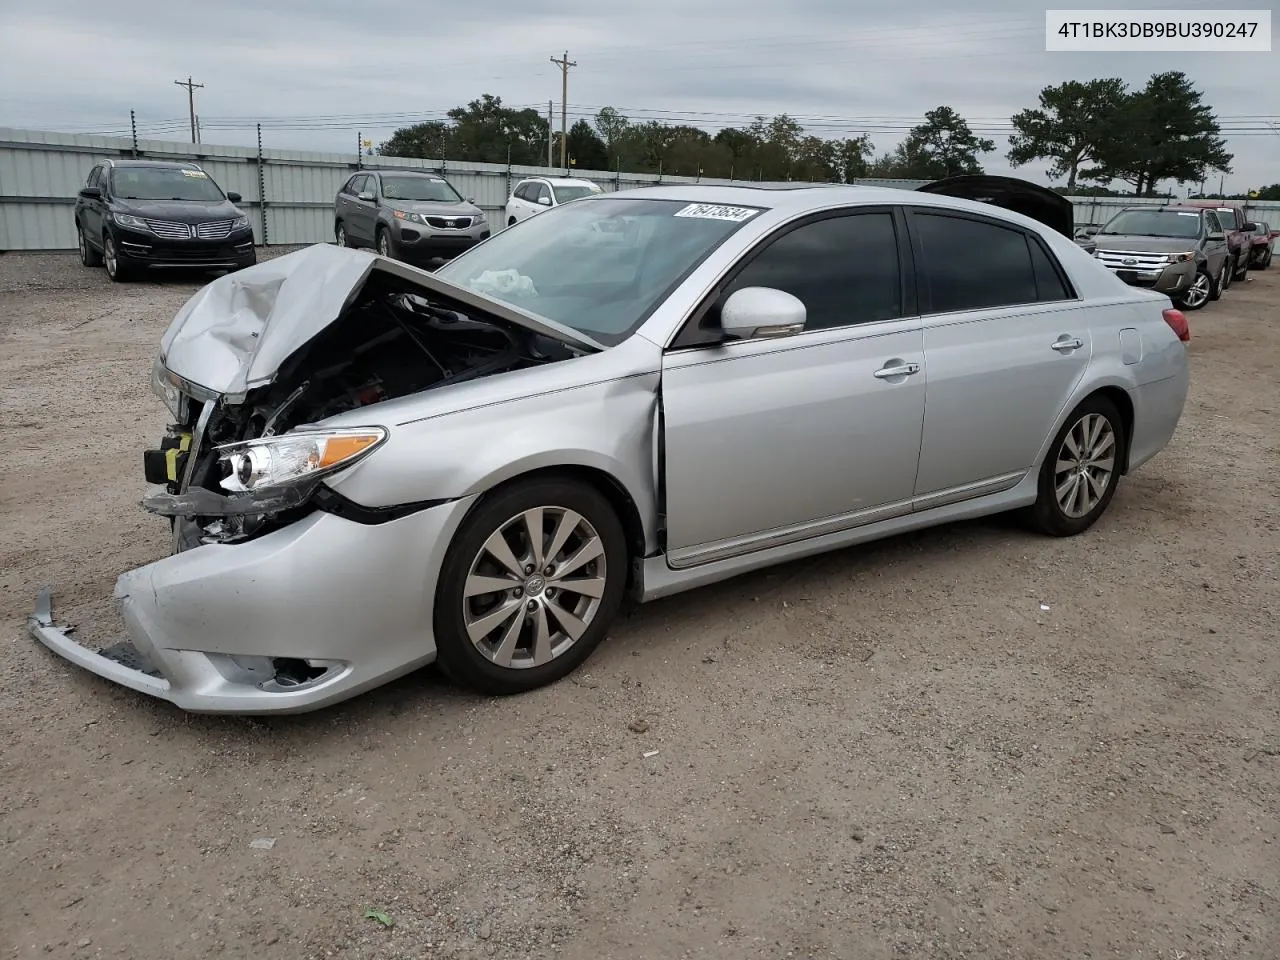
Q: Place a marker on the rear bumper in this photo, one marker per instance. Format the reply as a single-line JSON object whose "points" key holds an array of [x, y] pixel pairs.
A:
{"points": [[210, 628]]}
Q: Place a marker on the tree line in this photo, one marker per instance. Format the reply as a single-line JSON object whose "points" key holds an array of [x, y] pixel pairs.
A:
{"points": [[1099, 135]]}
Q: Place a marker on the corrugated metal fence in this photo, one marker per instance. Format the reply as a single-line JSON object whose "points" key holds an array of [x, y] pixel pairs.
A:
{"points": [[289, 194]]}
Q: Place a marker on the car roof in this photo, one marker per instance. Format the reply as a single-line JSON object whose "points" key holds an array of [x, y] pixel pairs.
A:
{"points": [[157, 164], [429, 174], [796, 199], [562, 181]]}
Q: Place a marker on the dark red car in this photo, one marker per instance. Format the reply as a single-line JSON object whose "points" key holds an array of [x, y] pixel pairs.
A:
{"points": [[1264, 242], [1239, 233]]}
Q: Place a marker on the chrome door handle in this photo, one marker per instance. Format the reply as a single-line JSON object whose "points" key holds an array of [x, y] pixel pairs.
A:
{"points": [[1075, 343], [898, 370]]}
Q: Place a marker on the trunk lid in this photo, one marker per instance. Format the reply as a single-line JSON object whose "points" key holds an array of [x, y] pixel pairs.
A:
{"points": [[235, 333]]}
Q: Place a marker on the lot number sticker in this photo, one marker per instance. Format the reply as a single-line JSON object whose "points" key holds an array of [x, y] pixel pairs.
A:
{"points": [[195, 173], [714, 211]]}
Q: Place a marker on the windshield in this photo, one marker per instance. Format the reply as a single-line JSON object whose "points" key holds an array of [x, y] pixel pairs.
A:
{"points": [[599, 266], [163, 183], [565, 194], [419, 189], [1154, 223]]}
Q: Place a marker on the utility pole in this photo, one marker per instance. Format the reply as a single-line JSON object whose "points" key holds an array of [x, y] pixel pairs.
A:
{"points": [[564, 65], [550, 138], [191, 102]]}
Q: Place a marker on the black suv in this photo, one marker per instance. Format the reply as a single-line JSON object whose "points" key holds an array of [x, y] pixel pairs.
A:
{"points": [[134, 214]]}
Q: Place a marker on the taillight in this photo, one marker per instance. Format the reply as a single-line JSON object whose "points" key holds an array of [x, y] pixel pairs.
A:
{"points": [[1178, 323]]}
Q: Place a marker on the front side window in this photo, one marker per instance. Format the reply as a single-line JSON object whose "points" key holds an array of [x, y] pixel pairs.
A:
{"points": [[164, 183], [1212, 222], [974, 264], [418, 189], [844, 270], [600, 265]]}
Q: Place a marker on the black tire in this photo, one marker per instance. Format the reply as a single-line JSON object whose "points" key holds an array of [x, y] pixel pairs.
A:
{"points": [[88, 256], [1047, 514], [1202, 278], [511, 221], [458, 656], [382, 243], [1219, 283], [118, 270], [1265, 261], [340, 235]]}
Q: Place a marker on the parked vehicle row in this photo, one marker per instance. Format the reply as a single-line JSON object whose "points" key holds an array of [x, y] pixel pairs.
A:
{"points": [[134, 215], [1190, 251], [634, 393]]}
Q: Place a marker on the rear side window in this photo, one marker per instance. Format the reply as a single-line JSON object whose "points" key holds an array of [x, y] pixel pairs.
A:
{"points": [[975, 264], [1049, 282]]}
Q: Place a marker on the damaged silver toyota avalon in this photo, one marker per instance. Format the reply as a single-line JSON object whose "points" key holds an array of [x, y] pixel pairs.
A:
{"points": [[371, 467]]}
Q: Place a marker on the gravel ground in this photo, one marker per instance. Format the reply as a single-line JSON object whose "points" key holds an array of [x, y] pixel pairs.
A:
{"points": [[971, 742]]}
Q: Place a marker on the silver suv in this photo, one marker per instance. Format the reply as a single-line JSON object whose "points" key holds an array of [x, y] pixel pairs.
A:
{"points": [[406, 215]]}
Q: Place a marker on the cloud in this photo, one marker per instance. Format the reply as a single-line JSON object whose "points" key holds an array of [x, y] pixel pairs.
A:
{"points": [[842, 68]]}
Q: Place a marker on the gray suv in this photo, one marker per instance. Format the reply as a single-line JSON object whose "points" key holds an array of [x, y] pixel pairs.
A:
{"points": [[406, 215], [1178, 251]]}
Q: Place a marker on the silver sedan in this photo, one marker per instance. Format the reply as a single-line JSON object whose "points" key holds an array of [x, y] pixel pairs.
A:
{"points": [[372, 467]]}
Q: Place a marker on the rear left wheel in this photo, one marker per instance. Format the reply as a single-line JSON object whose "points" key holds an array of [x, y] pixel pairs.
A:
{"points": [[1082, 469], [529, 587], [88, 256]]}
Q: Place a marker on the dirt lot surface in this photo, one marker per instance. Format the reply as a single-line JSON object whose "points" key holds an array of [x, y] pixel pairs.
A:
{"points": [[972, 742]]}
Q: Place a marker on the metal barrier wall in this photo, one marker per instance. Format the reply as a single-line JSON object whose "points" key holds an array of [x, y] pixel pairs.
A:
{"points": [[289, 194]]}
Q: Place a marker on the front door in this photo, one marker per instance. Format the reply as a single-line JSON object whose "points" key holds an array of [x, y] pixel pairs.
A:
{"points": [[1006, 342], [772, 441], [364, 213]]}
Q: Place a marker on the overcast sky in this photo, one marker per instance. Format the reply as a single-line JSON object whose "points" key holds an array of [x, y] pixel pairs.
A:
{"points": [[839, 66]]}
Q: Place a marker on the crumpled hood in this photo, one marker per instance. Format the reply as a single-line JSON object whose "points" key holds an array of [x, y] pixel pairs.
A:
{"points": [[235, 333]]}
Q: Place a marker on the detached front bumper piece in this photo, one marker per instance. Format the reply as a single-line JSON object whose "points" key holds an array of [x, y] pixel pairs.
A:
{"points": [[292, 621]]}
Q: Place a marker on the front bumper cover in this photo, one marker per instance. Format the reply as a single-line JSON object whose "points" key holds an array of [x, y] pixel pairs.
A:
{"points": [[204, 626]]}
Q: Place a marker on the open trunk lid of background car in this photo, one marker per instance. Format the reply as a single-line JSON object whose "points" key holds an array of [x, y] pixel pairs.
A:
{"points": [[1021, 196], [234, 334]]}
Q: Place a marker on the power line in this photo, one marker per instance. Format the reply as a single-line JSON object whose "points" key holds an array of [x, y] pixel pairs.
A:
{"points": [[564, 64]]}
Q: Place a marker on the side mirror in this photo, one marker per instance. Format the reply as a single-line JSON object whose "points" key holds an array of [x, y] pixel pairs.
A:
{"points": [[91, 193], [234, 197], [471, 199], [544, 200], [366, 195], [1217, 235], [1250, 227], [1090, 230], [761, 312]]}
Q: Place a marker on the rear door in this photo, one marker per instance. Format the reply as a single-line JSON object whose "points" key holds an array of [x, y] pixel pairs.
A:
{"points": [[91, 208], [1005, 340]]}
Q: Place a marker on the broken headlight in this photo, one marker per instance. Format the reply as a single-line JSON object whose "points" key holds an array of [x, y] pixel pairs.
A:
{"points": [[164, 385], [295, 458]]}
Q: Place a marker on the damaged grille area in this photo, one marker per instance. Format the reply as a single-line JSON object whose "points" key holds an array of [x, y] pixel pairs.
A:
{"points": [[394, 339]]}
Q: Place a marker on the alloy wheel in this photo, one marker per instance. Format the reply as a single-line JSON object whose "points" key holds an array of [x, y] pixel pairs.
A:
{"points": [[109, 256], [342, 236], [534, 587], [82, 246], [1198, 292], [1085, 464], [384, 245]]}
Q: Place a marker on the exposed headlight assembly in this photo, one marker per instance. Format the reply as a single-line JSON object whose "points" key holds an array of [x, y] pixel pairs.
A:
{"points": [[406, 215], [299, 458]]}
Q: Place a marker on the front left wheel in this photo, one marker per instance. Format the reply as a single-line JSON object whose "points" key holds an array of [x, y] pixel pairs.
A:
{"points": [[530, 586], [1082, 469]]}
